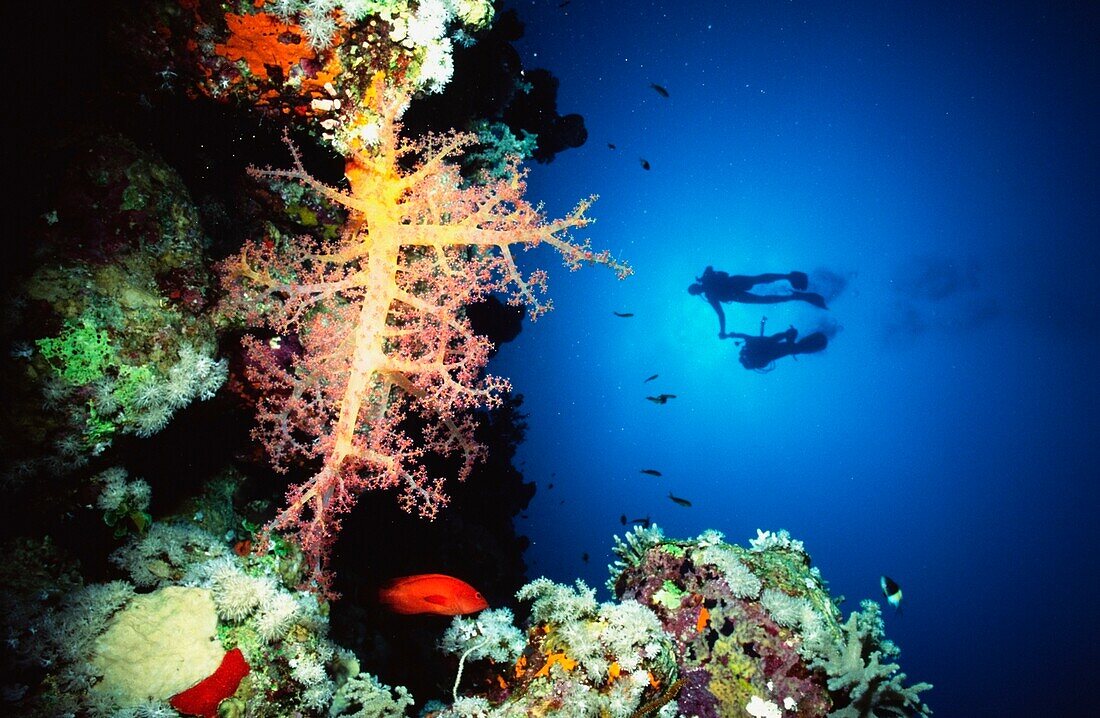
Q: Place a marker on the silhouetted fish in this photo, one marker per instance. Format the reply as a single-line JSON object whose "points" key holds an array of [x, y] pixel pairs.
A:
{"points": [[661, 398], [622, 519], [678, 501], [650, 378], [645, 163], [624, 315], [892, 591], [610, 146], [643, 522], [651, 472], [584, 557], [660, 90]]}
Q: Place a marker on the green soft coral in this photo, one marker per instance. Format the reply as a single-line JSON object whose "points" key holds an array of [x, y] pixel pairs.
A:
{"points": [[80, 353], [855, 668]]}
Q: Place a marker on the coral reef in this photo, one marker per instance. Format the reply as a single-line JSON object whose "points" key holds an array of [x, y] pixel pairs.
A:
{"points": [[364, 363], [702, 628], [111, 333], [104, 649]]}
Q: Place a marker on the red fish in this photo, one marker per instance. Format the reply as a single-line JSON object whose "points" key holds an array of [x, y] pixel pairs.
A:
{"points": [[203, 698], [431, 593]]}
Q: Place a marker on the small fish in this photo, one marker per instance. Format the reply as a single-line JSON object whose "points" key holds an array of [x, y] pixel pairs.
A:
{"points": [[649, 378], [661, 398], [431, 593], [644, 522], [679, 502], [584, 557], [564, 3], [622, 519], [651, 472], [624, 315], [892, 591], [658, 89], [550, 485], [645, 163], [610, 146]]}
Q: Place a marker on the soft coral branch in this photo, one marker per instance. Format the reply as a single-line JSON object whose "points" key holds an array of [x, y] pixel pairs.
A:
{"points": [[379, 314]]}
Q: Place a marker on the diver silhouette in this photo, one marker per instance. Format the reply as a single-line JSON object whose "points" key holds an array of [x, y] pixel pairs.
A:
{"points": [[719, 287], [760, 352]]}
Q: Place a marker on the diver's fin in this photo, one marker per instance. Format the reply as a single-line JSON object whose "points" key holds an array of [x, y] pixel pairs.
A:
{"points": [[799, 280], [812, 343], [810, 297]]}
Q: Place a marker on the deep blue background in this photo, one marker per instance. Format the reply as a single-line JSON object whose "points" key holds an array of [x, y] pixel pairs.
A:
{"points": [[943, 160]]}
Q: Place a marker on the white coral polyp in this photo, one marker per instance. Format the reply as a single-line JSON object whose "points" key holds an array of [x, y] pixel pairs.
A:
{"points": [[430, 22], [278, 615], [437, 66], [760, 708], [237, 595]]}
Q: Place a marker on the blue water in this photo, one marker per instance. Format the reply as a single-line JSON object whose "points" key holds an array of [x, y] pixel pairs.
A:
{"points": [[942, 159]]}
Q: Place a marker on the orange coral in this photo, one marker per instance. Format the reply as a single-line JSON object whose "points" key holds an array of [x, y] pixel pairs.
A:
{"points": [[701, 622], [270, 46], [566, 662]]}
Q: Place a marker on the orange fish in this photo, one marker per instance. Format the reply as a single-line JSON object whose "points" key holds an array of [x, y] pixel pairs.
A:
{"points": [[431, 593]]}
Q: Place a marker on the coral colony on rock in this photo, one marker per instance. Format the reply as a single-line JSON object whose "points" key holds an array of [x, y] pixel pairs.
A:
{"points": [[339, 317]]}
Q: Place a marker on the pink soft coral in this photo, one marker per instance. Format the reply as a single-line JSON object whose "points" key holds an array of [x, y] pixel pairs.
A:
{"points": [[380, 317]]}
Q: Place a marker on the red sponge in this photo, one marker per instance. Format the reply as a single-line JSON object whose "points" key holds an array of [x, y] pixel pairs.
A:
{"points": [[202, 699]]}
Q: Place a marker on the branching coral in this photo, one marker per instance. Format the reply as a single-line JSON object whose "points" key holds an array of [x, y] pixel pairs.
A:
{"points": [[379, 315], [867, 687]]}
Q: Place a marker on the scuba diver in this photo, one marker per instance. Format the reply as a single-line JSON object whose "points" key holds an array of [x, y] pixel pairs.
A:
{"points": [[719, 287], [760, 352]]}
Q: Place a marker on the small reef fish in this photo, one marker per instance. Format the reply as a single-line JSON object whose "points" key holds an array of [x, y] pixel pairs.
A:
{"points": [[431, 593], [661, 398], [649, 378], [643, 522], [584, 557], [622, 519], [679, 502], [658, 89], [645, 163], [610, 146], [651, 472], [892, 591], [624, 315]]}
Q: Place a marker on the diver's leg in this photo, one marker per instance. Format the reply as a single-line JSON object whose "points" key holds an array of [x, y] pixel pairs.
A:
{"points": [[755, 279], [750, 298]]}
